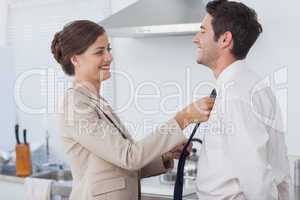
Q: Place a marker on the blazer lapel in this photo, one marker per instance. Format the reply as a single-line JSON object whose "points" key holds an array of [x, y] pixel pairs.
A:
{"points": [[103, 107], [117, 120]]}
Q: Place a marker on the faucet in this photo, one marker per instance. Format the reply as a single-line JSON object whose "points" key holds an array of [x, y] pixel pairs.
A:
{"points": [[47, 146], [50, 164], [5, 157]]}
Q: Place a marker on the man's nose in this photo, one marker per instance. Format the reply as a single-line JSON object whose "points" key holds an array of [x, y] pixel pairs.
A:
{"points": [[196, 38]]}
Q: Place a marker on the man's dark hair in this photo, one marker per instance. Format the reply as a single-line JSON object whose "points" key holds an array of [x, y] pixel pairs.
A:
{"points": [[238, 19]]}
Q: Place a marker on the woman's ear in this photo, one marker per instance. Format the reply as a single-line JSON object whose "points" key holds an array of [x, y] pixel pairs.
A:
{"points": [[75, 60]]}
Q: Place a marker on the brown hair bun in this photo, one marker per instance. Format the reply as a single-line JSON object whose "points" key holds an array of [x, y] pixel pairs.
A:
{"points": [[56, 47]]}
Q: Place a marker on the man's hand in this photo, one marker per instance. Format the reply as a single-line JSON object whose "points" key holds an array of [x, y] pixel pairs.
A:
{"points": [[176, 151]]}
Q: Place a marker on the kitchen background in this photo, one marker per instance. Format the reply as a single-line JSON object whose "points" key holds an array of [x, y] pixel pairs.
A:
{"points": [[155, 66]]}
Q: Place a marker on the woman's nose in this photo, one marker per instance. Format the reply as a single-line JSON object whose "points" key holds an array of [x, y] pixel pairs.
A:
{"points": [[108, 57]]}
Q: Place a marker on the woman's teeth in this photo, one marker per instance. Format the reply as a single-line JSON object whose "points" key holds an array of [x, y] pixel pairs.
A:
{"points": [[105, 67]]}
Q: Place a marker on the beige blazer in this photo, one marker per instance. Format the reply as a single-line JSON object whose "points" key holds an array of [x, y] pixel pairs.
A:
{"points": [[106, 162]]}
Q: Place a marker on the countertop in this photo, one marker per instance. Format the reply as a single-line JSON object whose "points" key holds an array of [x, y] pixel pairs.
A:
{"points": [[13, 179], [65, 187], [151, 187]]}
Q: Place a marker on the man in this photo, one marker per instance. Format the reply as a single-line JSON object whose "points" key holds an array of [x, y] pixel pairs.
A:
{"points": [[243, 155]]}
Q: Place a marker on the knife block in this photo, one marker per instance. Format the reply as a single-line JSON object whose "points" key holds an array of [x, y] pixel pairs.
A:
{"points": [[23, 160]]}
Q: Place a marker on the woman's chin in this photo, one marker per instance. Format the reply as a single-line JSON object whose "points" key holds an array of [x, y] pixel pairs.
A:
{"points": [[105, 76]]}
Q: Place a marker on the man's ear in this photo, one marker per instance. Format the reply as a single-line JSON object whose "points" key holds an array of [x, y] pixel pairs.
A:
{"points": [[75, 60], [226, 40]]}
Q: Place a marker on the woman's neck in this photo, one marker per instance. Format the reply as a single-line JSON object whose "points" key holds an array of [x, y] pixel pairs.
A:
{"points": [[94, 87]]}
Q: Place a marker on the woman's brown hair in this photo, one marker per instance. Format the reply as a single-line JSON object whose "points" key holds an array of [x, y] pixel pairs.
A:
{"points": [[74, 39]]}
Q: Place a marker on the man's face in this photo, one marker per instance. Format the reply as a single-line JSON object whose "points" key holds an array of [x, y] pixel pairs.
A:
{"points": [[207, 47]]}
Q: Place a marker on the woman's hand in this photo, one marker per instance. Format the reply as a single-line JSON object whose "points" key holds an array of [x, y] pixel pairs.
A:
{"points": [[176, 151], [196, 112]]}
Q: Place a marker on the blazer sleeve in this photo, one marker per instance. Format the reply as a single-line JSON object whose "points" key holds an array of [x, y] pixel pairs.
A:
{"points": [[156, 167], [82, 123]]}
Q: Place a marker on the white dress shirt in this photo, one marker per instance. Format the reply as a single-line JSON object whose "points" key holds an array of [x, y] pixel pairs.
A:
{"points": [[243, 155]]}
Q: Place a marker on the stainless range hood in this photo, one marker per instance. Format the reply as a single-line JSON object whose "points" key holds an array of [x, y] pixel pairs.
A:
{"points": [[156, 18]]}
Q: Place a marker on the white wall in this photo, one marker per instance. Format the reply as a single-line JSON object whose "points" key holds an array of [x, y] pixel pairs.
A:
{"points": [[165, 59], [7, 77], [157, 67], [7, 107], [3, 21]]}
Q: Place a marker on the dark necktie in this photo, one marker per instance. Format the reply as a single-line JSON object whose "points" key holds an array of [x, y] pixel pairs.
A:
{"points": [[180, 168]]}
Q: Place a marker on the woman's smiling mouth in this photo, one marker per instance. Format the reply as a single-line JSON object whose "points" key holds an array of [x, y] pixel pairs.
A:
{"points": [[106, 67]]}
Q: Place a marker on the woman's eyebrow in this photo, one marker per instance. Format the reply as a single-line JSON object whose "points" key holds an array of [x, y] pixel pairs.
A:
{"points": [[103, 47], [100, 48]]}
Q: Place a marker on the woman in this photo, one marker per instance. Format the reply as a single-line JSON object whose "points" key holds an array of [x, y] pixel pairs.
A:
{"points": [[106, 162]]}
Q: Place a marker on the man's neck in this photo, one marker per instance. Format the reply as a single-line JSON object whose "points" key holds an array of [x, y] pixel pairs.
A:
{"points": [[221, 64]]}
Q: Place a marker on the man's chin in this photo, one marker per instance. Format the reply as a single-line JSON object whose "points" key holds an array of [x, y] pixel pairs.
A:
{"points": [[199, 61]]}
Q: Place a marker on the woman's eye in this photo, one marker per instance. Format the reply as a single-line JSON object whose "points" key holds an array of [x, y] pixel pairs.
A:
{"points": [[109, 49], [100, 52]]}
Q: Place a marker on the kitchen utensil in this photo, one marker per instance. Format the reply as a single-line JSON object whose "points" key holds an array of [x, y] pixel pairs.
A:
{"points": [[25, 136], [17, 133]]}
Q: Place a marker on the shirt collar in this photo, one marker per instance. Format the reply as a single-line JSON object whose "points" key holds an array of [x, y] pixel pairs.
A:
{"points": [[229, 73]]}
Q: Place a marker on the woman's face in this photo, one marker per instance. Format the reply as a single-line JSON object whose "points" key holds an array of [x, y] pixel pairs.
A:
{"points": [[94, 64]]}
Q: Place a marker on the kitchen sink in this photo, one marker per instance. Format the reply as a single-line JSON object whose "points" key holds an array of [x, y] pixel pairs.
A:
{"points": [[8, 170], [57, 175]]}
